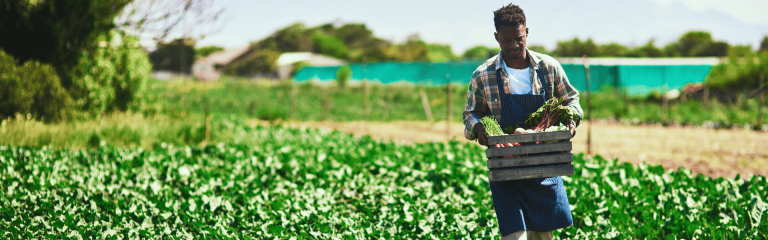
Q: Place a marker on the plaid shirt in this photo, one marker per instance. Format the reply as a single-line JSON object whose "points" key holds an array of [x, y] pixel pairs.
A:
{"points": [[483, 93]]}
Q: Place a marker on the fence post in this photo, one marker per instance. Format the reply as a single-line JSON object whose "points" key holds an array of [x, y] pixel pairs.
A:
{"points": [[293, 100], [588, 114], [251, 108], [425, 104], [366, 97], [761, 101], [183, 106], [326, 105], [664, 103], [706, 96], [207, 120], [448, 106]]}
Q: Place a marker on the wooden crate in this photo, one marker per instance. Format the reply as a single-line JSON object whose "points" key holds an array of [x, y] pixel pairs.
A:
{"points": [[543, 160]]}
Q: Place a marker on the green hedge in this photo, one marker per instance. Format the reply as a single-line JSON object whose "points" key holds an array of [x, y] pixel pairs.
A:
{"points": [[112, 77], [31, 89]]}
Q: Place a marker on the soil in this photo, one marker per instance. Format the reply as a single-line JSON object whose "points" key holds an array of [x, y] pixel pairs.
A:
{"points": [[714, 153]]}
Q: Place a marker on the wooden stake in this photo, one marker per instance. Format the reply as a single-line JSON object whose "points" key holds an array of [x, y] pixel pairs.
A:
{"points": [[588, 114], [761, 101], [293, 100], [425, 104], [183, 106], [207, 122], [706, 95], [448, 105], [664, 104], [326, 105], [366, 100]]}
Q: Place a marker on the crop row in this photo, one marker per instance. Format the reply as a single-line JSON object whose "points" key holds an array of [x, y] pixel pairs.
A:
{"points": [[316, 184]]}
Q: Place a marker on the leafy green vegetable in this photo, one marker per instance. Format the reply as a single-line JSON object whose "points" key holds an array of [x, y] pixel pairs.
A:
{"points": [[492, 127], [318, 184], [554, 112]]}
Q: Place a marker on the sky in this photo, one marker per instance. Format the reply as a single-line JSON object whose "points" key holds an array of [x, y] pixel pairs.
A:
{"points": [[464, 24]]}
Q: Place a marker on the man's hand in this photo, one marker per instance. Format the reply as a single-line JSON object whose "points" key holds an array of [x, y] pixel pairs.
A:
{"points": [[480, 132], [572, 127]]}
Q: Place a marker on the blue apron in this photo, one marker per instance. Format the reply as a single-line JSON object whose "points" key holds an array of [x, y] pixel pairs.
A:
{"points": [[539, 204]]}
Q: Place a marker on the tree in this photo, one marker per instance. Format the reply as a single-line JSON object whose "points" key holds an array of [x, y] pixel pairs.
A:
{"points": [[254, 63], [329, 45], [440, 53], [764, 44], [55, 32], [160, 19], [480, 52], [414, 49], [647, 50], [31, 88], [538, 49], [207, 50], [613, 50], [697, 44], [294, 38], [577, 48], [177, 55]]}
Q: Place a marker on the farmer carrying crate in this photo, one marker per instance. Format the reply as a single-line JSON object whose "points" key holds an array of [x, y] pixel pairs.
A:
{"points": [[510, 86]]}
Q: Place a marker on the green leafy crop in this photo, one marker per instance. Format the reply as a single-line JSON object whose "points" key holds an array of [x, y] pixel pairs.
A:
{"points": [[317, 184]]}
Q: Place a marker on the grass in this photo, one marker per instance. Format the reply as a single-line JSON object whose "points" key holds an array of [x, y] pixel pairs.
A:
{"points": [[396, 102], [131, 130], [175, 112]]}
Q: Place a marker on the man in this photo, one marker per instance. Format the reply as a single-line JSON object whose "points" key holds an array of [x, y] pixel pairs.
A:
{"points": [[509, 87]]}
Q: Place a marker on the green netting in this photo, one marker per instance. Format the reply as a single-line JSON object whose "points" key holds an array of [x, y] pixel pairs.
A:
{"points": [[637, 79], [389, 72]]}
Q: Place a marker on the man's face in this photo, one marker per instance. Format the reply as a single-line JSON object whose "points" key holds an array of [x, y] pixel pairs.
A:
{"points": [[512, 40]]}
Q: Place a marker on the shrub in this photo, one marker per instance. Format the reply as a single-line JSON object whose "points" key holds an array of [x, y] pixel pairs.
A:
{"points": [[255, 63], [112, 77], [343, 75], [742, 72], [32, 88]]}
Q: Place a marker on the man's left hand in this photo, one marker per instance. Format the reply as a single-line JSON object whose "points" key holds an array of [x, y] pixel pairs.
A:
{"points": [[572, 126]]}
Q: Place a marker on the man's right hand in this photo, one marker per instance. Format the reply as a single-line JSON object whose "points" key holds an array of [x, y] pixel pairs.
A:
{"points": [[480, 132]]}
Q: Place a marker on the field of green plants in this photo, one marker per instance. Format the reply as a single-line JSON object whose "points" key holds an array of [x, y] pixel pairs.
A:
{"points": [[315, 102], [317, 184]]}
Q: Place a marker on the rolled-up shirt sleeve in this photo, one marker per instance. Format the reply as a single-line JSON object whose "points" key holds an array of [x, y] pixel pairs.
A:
{"points": [[476, 106], [563, 88]]}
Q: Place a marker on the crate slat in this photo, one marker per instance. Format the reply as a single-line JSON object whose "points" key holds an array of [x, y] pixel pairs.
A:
{"points": [[529, 137], [530, 172], [527, 161], [537, 148]]}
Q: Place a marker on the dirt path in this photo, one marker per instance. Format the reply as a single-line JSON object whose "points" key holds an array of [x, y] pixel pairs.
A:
{"points": [[715, 153]]}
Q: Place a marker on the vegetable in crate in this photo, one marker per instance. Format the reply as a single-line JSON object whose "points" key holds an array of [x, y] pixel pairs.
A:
{"points": [[554, 112], [492, 128]]}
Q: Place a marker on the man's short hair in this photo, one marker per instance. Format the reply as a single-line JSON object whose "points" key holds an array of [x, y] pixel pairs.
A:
{"points": [[510, 15]]}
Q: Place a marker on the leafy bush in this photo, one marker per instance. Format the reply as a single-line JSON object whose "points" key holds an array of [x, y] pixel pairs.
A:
{"points": [[32, 88], [742, 72], [258, 62], [207, 51], [343, 75], [112, 77], [177, 55], [480, 52], [329, 45]]}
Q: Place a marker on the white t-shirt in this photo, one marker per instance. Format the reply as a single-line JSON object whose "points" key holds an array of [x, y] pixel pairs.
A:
{"points": [[519, 79]]}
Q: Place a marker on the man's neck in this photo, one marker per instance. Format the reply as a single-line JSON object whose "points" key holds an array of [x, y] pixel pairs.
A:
{"points": [[520, 63]]}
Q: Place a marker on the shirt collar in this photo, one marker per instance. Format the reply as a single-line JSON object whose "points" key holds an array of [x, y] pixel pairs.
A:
{"points": [[534, 60]]}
